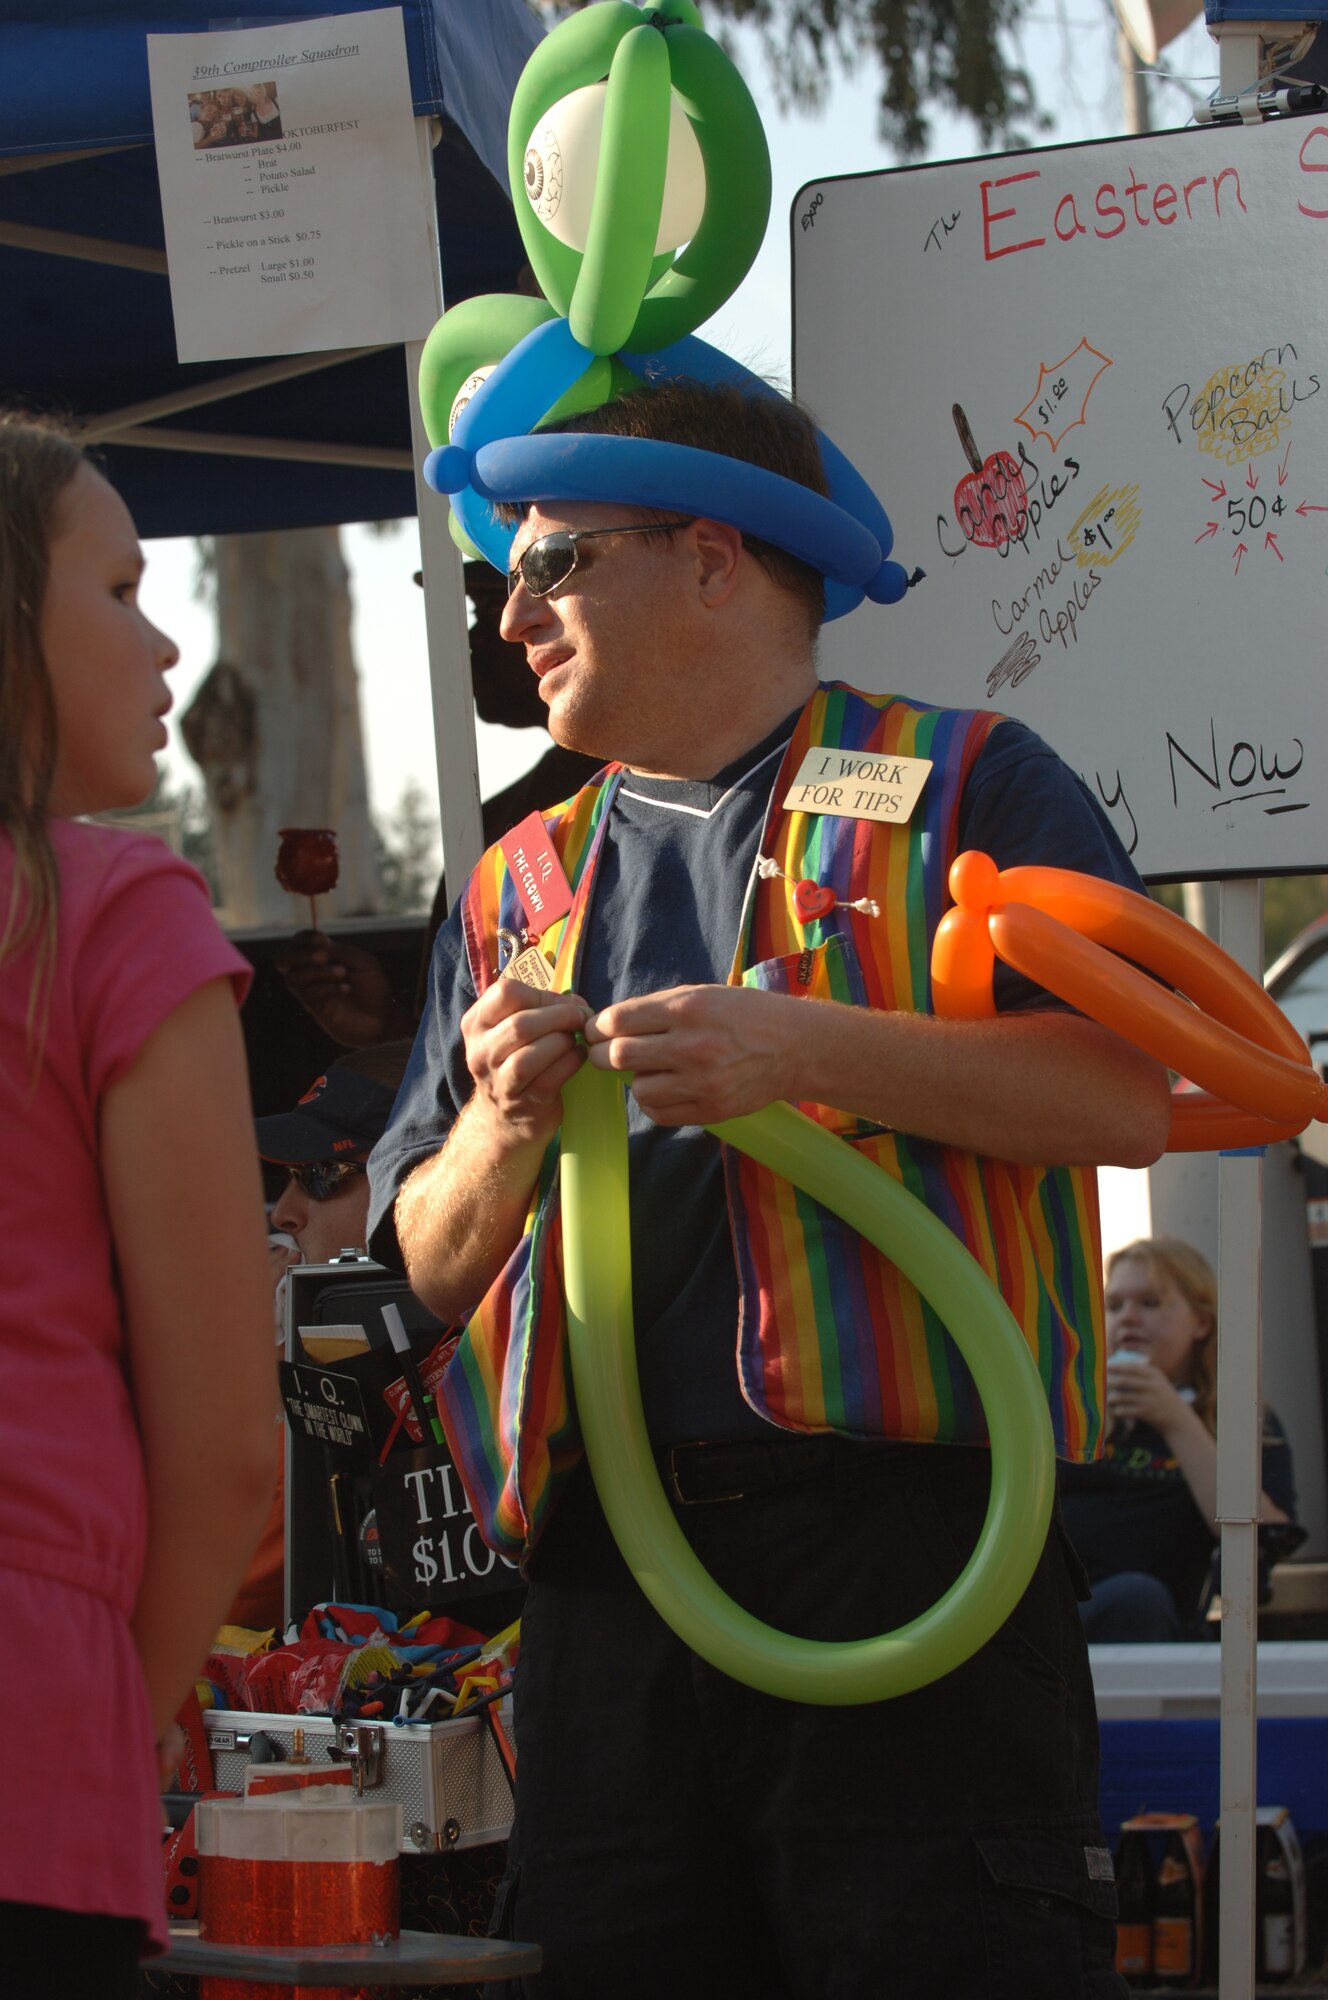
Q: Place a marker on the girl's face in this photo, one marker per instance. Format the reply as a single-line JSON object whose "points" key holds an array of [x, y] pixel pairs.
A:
{"points": [[105, 660], [1147, 1314]]}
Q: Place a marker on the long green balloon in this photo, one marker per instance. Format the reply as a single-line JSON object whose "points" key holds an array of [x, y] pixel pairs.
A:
{"points": [[629, 192], [677, 293], [578, 52], [598, 1282], [736, 157]]}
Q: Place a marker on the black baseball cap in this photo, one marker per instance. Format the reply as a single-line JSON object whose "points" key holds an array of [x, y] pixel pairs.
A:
{"points": [[341, 1116]]}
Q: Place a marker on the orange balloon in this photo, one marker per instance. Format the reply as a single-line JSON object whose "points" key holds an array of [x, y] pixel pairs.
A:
{"points": [[1144, 931], [962, 963], [1072, 933], [1201, 1123], [1165, 1026]]}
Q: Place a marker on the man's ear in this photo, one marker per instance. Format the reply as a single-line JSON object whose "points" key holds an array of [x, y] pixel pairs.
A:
{"points": [[719, 552]]}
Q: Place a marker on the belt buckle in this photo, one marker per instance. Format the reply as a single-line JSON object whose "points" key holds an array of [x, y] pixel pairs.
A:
{"points": [[694, 1499]]}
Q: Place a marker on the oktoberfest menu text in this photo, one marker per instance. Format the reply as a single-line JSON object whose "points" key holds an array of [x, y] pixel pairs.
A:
{"points": [[297, 216]]}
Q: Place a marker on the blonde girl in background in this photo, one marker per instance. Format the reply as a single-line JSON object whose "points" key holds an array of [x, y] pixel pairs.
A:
{"points": [[1144, 1517], [137, 1448]]}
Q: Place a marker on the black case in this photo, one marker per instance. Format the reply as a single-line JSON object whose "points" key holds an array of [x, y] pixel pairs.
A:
{"points": [[400, 1534]]}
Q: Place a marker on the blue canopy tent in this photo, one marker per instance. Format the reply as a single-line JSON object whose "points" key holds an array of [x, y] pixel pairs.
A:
{"points": [[87, 319], [221, 448]]}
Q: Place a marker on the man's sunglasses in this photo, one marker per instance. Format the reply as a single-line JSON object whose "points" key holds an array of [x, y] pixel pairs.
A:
{"points": [[551, 559], [321, 1179]]}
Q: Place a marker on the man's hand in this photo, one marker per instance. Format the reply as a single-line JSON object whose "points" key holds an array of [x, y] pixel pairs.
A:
{"points": [[522, 1046], [345, 989], [460, 1213], [699, 1054], [1048, 1088]]}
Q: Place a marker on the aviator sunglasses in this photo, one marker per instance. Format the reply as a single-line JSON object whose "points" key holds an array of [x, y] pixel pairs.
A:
{"points": [[321, 1179], [551, 559]]}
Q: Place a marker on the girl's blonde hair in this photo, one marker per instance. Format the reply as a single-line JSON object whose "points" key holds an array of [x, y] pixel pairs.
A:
{"points": [[38, 459], [1180, 1264]]}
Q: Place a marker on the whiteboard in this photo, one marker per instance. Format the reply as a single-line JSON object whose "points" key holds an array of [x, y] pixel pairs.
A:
{"points": [[1134, 338]]}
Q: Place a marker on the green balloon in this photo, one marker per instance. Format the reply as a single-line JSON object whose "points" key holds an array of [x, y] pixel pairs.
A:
{"points": [[577, 52], [479, 333], [629, 192], [468, 549], [598, 1286], [737, 202], [475, 334], [679, 293]]}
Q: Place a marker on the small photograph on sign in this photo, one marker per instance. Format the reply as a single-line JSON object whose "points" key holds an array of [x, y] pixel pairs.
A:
{"points": [[234, 117]]}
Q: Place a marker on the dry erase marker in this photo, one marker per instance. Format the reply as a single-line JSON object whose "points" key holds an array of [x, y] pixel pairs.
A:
{"points": [[400, 1339]]}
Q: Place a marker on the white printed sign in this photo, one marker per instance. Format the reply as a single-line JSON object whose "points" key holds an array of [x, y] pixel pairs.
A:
{"points": [[849, 785], [297, 218]]}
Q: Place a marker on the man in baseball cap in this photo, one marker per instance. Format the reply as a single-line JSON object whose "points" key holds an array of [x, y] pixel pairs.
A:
{"points": [[324, 1142]]}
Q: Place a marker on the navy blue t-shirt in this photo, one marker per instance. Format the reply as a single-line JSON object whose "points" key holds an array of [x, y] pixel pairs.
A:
{"points": [[1132, 1510], [667, 908]]}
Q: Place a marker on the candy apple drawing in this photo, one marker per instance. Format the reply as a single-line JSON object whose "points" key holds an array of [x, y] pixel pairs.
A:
{"points": [[990, 501]]}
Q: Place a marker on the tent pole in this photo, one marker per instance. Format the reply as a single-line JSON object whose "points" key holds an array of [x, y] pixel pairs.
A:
{"points": [[228, 444], [31, 163], [102, 428], [86, 249], [445, 615], [1239, 1479]]}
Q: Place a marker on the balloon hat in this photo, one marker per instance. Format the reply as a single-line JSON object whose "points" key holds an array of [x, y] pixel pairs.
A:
{"points": [[631, 134]]}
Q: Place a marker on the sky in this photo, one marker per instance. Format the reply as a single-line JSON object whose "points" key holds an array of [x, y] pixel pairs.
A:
{"points": [[1071, 53]]}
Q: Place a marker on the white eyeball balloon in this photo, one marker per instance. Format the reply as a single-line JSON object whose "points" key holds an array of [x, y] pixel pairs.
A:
{"points": [[562, 162], [465, 392]]}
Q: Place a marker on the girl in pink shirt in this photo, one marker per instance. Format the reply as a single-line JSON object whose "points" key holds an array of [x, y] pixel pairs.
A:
{"points": [[136, 1390]]}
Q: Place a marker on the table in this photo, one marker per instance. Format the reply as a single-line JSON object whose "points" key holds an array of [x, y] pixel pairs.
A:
{"points": [[413, 1957]]}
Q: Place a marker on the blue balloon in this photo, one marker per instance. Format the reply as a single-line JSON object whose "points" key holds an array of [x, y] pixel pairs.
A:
{"points": [[583, 465], [524, 387], [697, 361], [492, 456]]}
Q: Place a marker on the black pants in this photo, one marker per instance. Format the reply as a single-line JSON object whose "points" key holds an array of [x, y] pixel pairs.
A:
{"points": [[678, 1833]]}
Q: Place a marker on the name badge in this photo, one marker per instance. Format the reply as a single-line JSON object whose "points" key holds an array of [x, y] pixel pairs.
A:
{"points": [[532, 968], [545, 892], [850, 785]]}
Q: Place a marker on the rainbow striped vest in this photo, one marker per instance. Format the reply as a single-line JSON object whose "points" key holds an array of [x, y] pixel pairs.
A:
{"points": [[830, 1335]]}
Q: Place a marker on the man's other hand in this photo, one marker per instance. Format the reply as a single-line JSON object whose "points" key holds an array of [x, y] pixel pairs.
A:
{"points": [[698, 1054], [346, 990], [522, 1045]]}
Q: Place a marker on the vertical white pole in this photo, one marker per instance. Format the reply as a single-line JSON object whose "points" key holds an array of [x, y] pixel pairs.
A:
{"points": [[445, 620], [1239, 1480]]}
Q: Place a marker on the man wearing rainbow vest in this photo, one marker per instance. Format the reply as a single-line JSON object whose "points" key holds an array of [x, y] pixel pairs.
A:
{"points": [[675, 1832]]}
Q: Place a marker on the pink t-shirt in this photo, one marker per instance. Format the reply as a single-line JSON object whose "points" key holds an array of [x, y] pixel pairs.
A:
{"points": [[81, 1825]]}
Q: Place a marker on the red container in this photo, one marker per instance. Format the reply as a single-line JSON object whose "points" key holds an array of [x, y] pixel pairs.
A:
{"points": [[265, 1898]]}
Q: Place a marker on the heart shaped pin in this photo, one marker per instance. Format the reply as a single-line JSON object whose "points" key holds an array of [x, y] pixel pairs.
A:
{"points": [[812, 900]]}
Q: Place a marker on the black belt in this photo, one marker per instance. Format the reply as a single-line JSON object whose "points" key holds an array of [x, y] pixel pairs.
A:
{"points": [[694, 1473]]}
